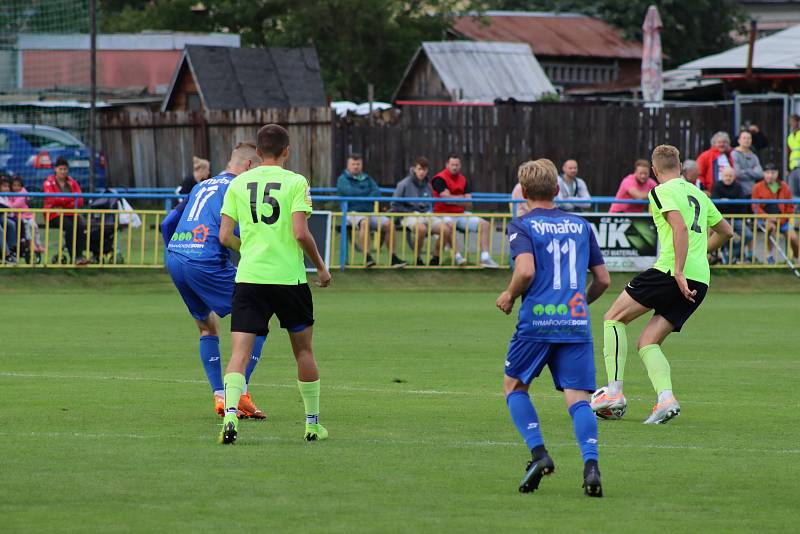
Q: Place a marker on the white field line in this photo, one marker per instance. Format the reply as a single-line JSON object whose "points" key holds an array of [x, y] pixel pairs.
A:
{"points": [[444, 444]]}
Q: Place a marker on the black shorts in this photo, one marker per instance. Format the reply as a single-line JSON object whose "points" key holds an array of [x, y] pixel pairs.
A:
{"points": [[659, 291], [254, 304]]}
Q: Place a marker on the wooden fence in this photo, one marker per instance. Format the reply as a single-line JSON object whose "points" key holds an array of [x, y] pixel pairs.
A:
{"points": [[605, 138], [145, 149]]}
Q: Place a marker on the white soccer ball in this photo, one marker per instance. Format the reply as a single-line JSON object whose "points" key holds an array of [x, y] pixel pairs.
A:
{"points": [[609, 413]]}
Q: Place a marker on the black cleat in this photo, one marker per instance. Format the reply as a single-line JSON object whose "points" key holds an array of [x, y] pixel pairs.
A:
{"points": [[370, 261], [591, 480], [434, 261], [397, 263], [228, 434], [534, 472]]}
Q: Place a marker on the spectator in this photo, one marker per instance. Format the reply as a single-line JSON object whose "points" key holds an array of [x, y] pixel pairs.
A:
{"points": [[201, 170], [691, 173], [61, 182], [8, 225], [26, 218], [570, 186], [634, 186], [521, 208], [745, 162], [760, 141], [793, 148], [354, 182], [417, 184], [710, 162], [450, 183], [770, 188], [729, 188]]}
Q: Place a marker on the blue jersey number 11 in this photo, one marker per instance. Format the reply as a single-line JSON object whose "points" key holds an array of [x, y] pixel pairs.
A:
{"points": [[556, 248]]}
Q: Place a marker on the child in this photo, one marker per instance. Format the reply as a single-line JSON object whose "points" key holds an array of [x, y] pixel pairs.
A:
{"points": [[26, 218]]}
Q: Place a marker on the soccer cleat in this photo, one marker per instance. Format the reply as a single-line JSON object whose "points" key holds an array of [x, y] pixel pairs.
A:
{"points": [[534, 472], [230, 427], [663, 412], [219, 405], [434, 261], [315, 432], [421, 262], [460, 260], [608, 406], [591, 480], [488, 263], [247, 408], [397, 263]]}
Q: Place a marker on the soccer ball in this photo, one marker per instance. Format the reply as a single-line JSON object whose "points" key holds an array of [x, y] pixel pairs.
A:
{"points": [[609, 413]]}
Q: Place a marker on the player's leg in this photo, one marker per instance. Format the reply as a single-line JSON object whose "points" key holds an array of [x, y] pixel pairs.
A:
{"points": [[307, 380], [211, 359], [658, 369], [248, 408]]}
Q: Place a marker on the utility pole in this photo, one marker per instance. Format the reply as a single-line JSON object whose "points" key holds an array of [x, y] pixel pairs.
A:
{"points": [[92, 90]]}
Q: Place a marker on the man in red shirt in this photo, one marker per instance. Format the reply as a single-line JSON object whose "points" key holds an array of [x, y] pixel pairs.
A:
{"points": [[634, 186], [450, 183], [61, 182], [770, 188]]}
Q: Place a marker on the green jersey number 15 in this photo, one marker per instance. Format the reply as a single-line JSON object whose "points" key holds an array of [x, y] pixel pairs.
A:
{"points": [[276, 208]]}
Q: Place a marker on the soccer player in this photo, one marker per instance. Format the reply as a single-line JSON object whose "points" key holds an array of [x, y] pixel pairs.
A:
{"points": [[552, 250], [674, 287], [271, 205], [202, 272]]}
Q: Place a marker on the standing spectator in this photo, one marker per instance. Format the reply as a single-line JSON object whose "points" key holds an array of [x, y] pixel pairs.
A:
{"points": [[354, 182], [793, 148], [450, 183], [636, 185], [745, 162], [729, 188], [710, 162], [201, 170], [760, 141], [26, 218], [570, 186], [770, 188], [61, 182], [417, 185], [8, 225], [691, 173], [521, 208]]}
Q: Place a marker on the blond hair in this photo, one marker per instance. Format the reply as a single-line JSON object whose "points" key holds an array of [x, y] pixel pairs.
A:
{"points": [[538, 179], [666, 158], [243, 152], [200, 163]]}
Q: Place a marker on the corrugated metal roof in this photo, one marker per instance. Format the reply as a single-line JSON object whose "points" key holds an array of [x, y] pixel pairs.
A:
{"points": [[148, 40], [550, 34], [778, 51], [484, 72]]}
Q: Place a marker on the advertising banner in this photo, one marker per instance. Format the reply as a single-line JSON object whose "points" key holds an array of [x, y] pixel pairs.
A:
{"points": [[628, 241]]}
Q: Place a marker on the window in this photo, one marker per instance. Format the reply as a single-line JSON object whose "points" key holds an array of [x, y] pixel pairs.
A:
{"points": [[49, 139]]}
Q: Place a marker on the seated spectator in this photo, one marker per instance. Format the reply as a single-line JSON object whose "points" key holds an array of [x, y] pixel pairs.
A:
{"points": [[450, 183], [770, 188], [520, 208], [74, 224], [570, 186], [417, 185], [636, 185], [354, 182], [745, 162], [201, 170], [729, 188], [691, 173], [26, 218], [710, 162], [8, 225]]}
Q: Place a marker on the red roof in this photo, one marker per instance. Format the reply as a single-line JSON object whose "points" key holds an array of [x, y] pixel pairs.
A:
{"points": [[551, 34]]}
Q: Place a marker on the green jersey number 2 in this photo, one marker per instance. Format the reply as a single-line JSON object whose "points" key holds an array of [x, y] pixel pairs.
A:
{"points": [[696, 203], [272, 201]]}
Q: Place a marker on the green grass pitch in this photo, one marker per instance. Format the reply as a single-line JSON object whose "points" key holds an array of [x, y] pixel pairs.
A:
{"points": [[108, 422]]}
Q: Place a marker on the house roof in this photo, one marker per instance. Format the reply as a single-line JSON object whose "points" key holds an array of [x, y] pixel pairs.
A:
{"points": [[147, 40], [484, 71], [253, 78], [550, 34]]}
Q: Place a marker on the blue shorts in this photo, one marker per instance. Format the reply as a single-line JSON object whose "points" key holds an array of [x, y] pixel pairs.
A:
{"points": [[571, 364], [203, 289]]}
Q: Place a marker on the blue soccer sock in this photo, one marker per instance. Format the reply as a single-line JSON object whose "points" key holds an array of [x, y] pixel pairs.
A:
{"points": [[255, 356], [584, 423], [525, 418], [209, 355]]}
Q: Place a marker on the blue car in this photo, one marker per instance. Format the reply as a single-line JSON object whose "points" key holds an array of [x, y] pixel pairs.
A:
{"points": [[31, 151]]}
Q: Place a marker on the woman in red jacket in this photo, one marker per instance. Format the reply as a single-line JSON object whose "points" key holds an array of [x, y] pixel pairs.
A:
{"points": [[61, 182]]}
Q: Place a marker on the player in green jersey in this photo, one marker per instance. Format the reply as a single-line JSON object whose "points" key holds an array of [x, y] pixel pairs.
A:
{"points": [[271, 204], [674, 287]]}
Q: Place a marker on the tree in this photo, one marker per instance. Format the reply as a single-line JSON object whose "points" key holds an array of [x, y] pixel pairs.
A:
{"points": [[692, 29]]}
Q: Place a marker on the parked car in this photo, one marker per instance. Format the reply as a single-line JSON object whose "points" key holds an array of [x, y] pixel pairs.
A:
{"points": [[31, 150]]}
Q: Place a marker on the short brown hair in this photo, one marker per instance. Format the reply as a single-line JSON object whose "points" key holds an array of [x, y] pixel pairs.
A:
{"points": [[272, 140], [423, 162], [641, 163], [538, 179], [355, 156], [666, 158]]}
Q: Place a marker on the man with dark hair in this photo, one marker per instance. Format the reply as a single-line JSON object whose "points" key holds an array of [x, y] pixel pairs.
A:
{"points": [[417, 185], [66, 207]]}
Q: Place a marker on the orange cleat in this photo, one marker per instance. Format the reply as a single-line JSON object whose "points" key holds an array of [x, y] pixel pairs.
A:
{"points": [[219, 405], [248, 409]]}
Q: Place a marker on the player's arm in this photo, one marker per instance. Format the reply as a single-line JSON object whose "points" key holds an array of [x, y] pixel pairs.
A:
{"points": [[680, 242], [226, 233], [524, 269], [722, 233], [170, 222], [597, 266], [306, 241]]}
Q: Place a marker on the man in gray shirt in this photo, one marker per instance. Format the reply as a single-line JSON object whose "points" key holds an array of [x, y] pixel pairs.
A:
{"points": [[570, 186]]}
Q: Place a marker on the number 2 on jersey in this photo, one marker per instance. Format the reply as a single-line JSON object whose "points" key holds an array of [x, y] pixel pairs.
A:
{"points": [[696, 203], [557, 249], [272, 201]]}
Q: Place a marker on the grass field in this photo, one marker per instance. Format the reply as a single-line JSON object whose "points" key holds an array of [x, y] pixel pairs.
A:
{"points": [[108, 422]]}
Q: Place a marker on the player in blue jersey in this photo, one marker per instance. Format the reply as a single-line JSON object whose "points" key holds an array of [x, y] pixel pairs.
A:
{"points": [[202, 271], [552, 251]]}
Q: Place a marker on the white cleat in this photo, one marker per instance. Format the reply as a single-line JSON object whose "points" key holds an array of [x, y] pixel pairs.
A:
{"points": [[663, 412], [608, 406], [489, 263]]}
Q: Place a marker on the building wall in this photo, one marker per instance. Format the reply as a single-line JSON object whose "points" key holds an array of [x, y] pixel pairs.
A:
{"points": [[424, 83], [575, 72], [185, 97]]}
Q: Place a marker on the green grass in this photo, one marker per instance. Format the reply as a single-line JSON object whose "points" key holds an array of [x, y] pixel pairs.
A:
{"points": [[108, 422]]}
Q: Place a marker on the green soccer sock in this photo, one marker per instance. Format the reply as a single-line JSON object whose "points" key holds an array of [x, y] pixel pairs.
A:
{"points": [[615, 350], [310, 393], [657, 367], [234, 386]]}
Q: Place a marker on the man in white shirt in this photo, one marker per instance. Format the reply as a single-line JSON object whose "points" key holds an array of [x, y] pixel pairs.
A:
{"points": [[570, 186]]}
